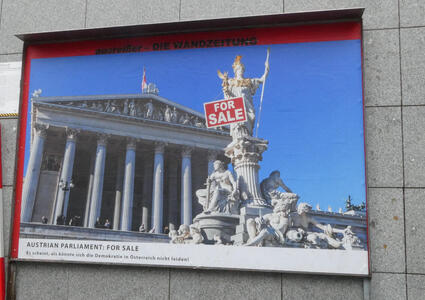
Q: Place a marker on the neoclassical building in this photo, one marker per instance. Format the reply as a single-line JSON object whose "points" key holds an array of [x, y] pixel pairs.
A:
{"points": [[125, 160]]}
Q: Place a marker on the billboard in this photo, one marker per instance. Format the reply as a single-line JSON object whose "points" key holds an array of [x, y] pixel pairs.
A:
{"points": [[233, 149]]}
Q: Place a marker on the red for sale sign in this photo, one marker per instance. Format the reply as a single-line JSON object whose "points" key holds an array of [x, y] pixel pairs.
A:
{"points": [[224, 112]]}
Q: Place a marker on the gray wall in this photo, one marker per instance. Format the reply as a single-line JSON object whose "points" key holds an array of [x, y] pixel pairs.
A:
{"points": [[394, 46]]}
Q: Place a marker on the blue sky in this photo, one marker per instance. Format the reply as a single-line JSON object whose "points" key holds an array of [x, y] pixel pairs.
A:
{"points": [[312, 108]]}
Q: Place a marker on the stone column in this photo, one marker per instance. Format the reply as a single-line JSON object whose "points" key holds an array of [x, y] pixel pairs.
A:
{"points": [[99, 169], [245, 155], [212, 157], [147, 191], [66, 175], [29, 188], [128, 185], [89, 189], [173, 204], [118, 192], [186, 187], [158, 188]]}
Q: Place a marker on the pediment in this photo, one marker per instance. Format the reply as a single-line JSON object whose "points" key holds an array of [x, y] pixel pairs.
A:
{"points": [[140, 106]]}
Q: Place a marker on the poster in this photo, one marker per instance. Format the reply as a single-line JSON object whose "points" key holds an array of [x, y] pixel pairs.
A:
{"points": [[10, 75], [119, 165]]}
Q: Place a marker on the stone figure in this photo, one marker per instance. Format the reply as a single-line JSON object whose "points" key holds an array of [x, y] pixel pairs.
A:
{"points": [[142, 228], [116, 107], [350, 239], [125, 107], [295, 236], [325, 239], [284, 227], [221, 194], [173, 236], [199, 123], [329, 239], [239, 86], [159, 115], [132, 108], [270, 229], [99, 106], [180, 236], [93, 105], [302, 220], [195, 233], [149, 110], [44, 220], [108, 106], [186, 235], [269, 188], [174, 115], [185, 120], [168, 114]]}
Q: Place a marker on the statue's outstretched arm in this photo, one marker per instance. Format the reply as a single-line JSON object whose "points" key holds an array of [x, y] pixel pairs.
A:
{"points": [[288, 190], [318, 225]]}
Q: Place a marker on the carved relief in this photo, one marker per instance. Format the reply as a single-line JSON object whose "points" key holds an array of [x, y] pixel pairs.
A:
{"points": [[144, 109], [41, 129], [71, 133]]}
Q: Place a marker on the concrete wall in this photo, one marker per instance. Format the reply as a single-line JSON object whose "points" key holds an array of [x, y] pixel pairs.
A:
{"points": [[394, 46]]}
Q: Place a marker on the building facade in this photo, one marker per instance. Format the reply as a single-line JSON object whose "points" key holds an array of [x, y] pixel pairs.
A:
{"points": [[123, 162]]}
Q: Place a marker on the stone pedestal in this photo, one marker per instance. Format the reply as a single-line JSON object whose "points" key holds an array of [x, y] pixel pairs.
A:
{"points": [[245, 154], [221, 224], [241, 235]]}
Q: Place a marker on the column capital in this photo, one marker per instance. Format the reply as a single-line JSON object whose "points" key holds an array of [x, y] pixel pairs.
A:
{"points": [[41, 129], [212, 154], [131, 143], [187, 151], [102, 139], [71, 133], [160, 147]]}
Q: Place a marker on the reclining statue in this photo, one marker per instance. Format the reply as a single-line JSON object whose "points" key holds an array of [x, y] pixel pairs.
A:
{"points": [[300, 224], [270, 229]]}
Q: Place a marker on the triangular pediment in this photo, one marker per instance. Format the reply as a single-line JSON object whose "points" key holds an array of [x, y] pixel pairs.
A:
{"points": [[148, 107]]}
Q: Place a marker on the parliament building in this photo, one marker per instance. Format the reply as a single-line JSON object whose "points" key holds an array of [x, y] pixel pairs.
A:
{"points": [[128, 163]]}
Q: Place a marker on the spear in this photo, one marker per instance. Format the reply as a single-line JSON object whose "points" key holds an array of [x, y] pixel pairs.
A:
{"points": [[262, 92], [208, 193]]}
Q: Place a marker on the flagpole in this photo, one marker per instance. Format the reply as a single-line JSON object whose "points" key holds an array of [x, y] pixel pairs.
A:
{"points": [[262, 93], [144, 81]]}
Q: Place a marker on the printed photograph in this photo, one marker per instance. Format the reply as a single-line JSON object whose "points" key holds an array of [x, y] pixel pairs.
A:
{"points": [[123, 162]]}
